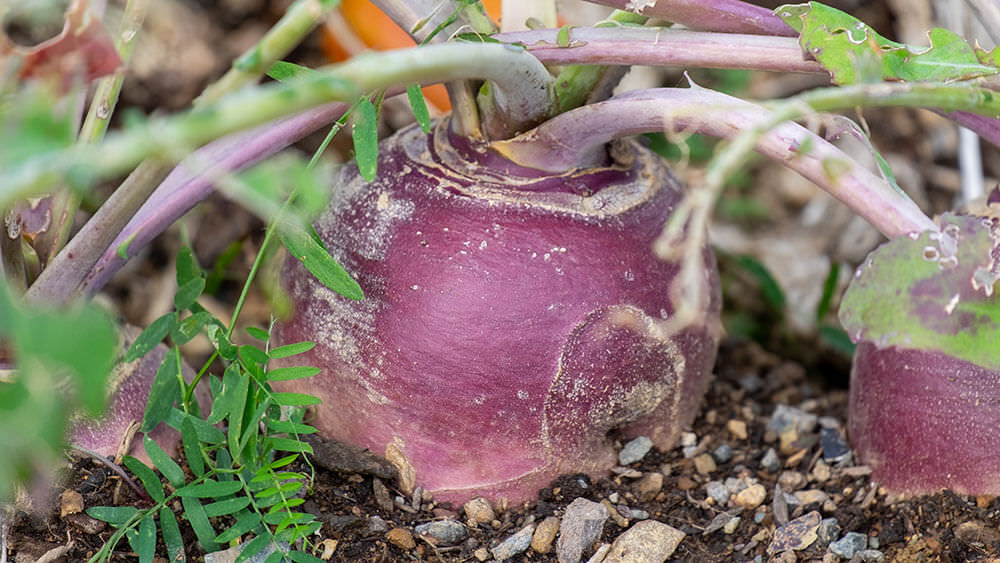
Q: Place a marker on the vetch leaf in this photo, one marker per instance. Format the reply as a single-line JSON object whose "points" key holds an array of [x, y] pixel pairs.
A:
{"points": [[205, 431], [143, 541], [210, 488], [171, 533], [258, 333], [150, 481], [289, 350], [228, 506], [164, 392], [151, 336], [365, 134], [117, 516], [296, 399], [305, 248], [419, 106], [932, 291], [195, 514], [244, 523], [284, 70], [290, 445], [167, 466], [290, 373], [253, 547], [192, 448]]}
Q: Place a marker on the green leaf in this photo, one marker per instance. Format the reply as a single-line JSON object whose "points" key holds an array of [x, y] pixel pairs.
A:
{"points": [[195, 514], [303, 247], [296, 399], [253, 547], [206, 432], [117, 516], [164, 392], [769, 287], [258, 333], [365, 134], [829, 289], [289, 427], [934, 291], [419, 106], [853, 52], [122, 250], [252, 355], [191, 326], [290, 373], [192, 448], [210, 488], [143, 542], [289, 350], [302, 557], [289, 445], [228, 506], [151, 336], [172, 539], [150, 481], [167, 466], [188, 293], [187, 266], [284, 70], [244, 523]]}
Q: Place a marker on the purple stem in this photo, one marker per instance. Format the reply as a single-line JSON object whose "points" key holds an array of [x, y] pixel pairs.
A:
{"points": [[986, 127], [727, 16], [577, 138], [667, 47], [188, 185]]}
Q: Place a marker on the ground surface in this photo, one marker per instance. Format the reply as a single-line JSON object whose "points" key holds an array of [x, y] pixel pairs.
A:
{"points": [[709, 494]]}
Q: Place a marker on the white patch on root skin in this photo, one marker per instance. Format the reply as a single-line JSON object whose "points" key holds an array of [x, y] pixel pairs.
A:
{"points": [[638, 6]]}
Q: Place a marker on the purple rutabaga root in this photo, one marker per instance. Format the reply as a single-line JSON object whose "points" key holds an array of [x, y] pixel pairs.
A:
{"points": [[511, 320], [925, 420]]}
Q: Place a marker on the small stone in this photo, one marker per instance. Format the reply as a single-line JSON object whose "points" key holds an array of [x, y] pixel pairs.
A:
{"points": [[544, 535], [70, 502], [85, 523], [401, 538], [648, 540], [731, 525], [614, 514], [479, 511], [689, 439], [770, 462], [382, 497], [869, 556], [821, 473], [377, 525], [581, 525], [447, 532], [690, 451], [718, 492], [834, 445], [751, 497], [601, 551], [635, 450], [791, 480], [751, 382], [723, 453], [789, 440], [828, 531], [785, 417], [481, 554], [638, 514], [685, 483], [795, 535], [648, 486], [849, 545], [975, 532], [779, 506], [515, 544], [704, 464], [717, 523], [614, 498], [811, 496], [735, 485], [737, 428]]}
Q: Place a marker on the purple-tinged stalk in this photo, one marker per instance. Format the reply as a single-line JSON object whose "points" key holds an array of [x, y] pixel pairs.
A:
{"points": [[726, 16], [630, 45]]}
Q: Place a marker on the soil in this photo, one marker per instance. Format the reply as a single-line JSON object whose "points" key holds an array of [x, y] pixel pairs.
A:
{"points": [[776, 363]]}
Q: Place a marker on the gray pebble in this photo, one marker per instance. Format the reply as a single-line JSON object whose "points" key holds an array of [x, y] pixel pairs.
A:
{"points": [[514, 545], [751, 382], [785, 417], [834, 445], [377, 525], [637, 514], [723, 453], [448, 532], [599, 553], [635, 450], [230, 555], [689, 451], [770, 462], [581, 525], [717, 523], [648, 540], [869, 556], [828, 531], [736, 485], [847, 546], [718, 492]]}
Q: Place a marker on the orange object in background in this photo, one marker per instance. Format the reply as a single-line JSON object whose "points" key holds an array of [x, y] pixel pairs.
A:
{"points": [[359, 25]]}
